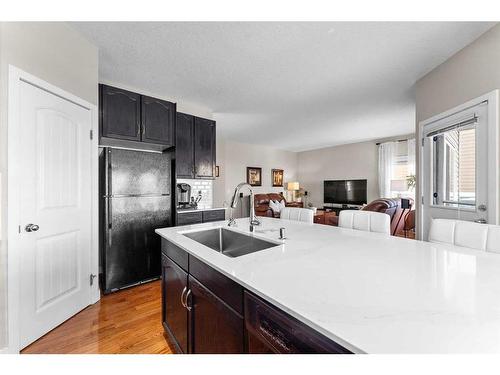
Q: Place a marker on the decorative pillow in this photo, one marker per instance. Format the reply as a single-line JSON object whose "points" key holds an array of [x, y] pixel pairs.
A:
{"points": [[282, 204], [275, 206]]}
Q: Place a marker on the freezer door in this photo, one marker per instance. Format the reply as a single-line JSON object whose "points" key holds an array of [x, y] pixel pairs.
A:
{"points": [[137, 173], [132, 249]]}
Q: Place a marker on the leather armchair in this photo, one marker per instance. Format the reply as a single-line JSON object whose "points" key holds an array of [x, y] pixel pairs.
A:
{"points": [[390, 206], [409, 224], [261, 202]]}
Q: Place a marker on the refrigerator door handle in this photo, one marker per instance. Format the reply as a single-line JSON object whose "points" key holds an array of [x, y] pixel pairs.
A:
{"points": [[110, 221], [108, 172]]}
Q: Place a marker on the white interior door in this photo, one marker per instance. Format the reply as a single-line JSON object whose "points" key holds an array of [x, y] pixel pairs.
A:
{"points": [[456, 168], [55, 199]]}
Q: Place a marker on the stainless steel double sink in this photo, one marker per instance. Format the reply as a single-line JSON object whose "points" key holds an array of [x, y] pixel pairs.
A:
{"points": [[228, 242]]}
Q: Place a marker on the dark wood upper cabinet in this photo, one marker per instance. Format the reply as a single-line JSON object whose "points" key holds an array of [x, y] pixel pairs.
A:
{"points": [[120, 113], [215, 327], [128, 119], [158, 120], [204, 148], [174, 315], [184, 146]]}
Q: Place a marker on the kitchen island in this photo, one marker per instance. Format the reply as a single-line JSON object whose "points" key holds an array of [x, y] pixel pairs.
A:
{"points": [[366, 292]]}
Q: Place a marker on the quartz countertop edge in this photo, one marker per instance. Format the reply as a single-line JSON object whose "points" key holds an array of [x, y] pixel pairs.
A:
{"points": [[369, 292]]}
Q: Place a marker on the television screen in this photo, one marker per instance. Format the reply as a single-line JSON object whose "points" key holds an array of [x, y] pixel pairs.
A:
{"points": [[345, 191]]}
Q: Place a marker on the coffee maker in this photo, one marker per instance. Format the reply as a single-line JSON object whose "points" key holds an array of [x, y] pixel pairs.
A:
{"points": [[183, 195]]}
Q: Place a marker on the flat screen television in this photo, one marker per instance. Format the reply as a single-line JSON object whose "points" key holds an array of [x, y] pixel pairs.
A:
{"points": [[345, 191]]}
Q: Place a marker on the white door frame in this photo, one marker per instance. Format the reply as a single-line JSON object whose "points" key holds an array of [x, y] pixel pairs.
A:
{"points": [[493, 152], [16, 76]]}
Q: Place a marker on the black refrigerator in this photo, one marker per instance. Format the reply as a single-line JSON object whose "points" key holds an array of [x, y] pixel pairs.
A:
{"points": [[136, 199]]}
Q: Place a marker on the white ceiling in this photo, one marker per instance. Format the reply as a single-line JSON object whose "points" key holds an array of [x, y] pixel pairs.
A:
{"points": [[295, 86]]}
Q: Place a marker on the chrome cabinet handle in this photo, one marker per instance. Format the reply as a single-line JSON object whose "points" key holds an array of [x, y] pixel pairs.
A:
{"points": [[31, 228], [182, 296], [186, 299]]}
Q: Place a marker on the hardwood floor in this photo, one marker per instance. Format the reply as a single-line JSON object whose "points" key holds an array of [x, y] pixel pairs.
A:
{"points": [[128, 322]]}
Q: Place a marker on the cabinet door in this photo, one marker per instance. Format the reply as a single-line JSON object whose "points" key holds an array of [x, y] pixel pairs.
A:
{"points": [[204, 148], [120, 113], [174, 315], [184, 143], [158, 119], [215, 328], [189, 218], [214, 215]]}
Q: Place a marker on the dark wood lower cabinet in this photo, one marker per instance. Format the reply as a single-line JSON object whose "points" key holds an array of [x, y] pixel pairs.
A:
{"points": [[206, 312], [174, 314], [281, 333], [256, 346], [215, 328]]}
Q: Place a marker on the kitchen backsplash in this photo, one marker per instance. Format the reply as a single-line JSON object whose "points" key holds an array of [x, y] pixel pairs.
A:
{"points": [[206, 188]]}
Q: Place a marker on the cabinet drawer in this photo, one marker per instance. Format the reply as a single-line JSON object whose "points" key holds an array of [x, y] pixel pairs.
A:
{"points": [[175, 253], [282, 333], [189, 218], [215, 215], [223, 287]]}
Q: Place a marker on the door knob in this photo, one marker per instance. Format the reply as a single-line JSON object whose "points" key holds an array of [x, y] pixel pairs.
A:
{"points": [[31, 228]]}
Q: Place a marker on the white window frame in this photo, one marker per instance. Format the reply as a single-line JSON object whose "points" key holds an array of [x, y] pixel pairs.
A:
{"points": [[493, 153]]}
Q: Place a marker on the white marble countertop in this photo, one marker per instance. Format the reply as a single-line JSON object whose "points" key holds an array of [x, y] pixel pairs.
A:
{"points": [[370, 292]]}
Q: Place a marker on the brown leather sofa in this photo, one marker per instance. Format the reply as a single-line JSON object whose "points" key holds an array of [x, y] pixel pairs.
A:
{"points": [[261, 202], [390, 206]]}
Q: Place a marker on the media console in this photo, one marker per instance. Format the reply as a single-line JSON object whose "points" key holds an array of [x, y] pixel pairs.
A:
{"points": [[337, 209]]}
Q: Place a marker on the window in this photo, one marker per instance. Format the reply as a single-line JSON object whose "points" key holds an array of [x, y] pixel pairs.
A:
{"points": [[397, 169], [454, 163]]}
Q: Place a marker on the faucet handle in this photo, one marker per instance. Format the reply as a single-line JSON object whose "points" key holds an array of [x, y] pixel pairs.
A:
{"points": [[282, 234], [255, 221]]}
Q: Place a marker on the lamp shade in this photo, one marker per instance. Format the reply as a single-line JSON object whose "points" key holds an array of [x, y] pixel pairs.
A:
{"points": [[292, 186], [399, 185]]}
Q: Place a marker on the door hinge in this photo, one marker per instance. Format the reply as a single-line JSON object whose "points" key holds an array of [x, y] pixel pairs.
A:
{"points": [[422, 200], [91, 134], [423, 141], [92, 277]]}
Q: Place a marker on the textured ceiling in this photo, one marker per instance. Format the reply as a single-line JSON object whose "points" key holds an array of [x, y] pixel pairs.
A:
{"points": [[295, 86]]}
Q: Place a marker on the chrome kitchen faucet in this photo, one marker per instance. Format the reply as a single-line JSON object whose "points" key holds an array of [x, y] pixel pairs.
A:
{"points": [[234, 202]]}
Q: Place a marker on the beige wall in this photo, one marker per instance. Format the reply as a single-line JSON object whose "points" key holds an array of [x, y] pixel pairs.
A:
{"points": [[310, 168], [57, 54], [471, 72], [351, 161], [233, 159]]}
